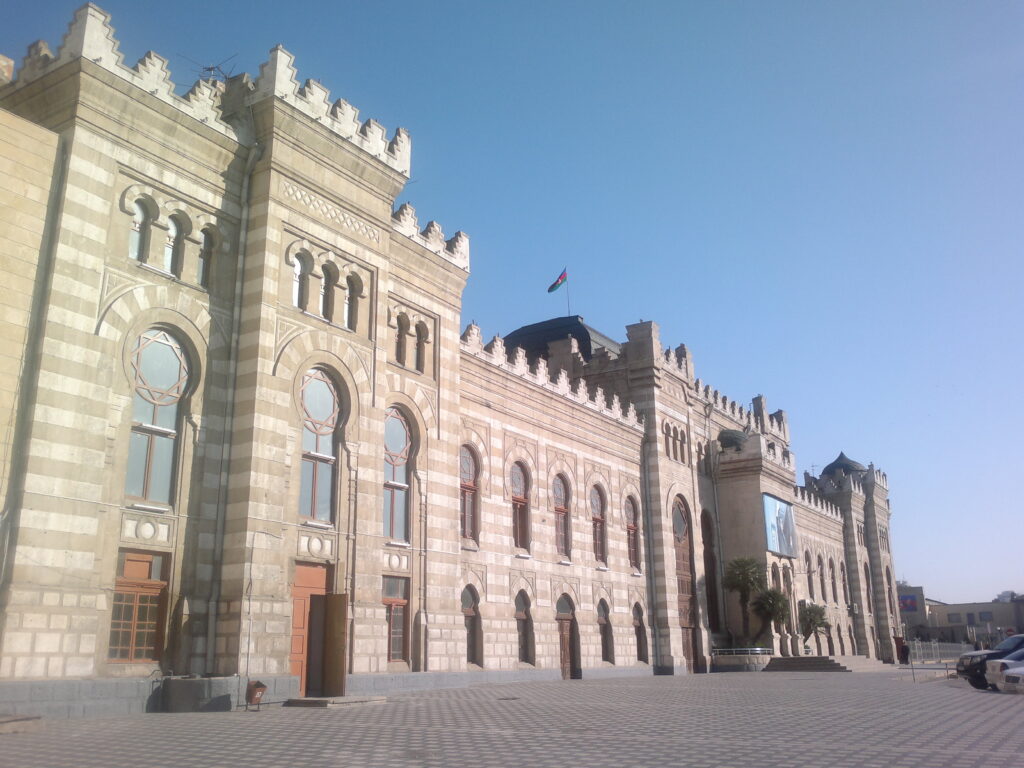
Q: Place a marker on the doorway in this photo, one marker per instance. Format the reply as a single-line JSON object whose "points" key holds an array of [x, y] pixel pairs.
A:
{"points": [[685, 582], [568, 639], [306, 660]]}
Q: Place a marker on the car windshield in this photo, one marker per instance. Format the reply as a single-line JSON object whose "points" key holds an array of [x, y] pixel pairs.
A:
{"points": [[1011, 643]]}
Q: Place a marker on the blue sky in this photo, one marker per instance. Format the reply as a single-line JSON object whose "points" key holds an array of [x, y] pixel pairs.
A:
{"points": [[822, 200]]}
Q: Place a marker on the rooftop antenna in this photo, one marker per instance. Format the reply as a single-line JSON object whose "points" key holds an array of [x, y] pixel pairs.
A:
{"points": [[215, 71]]}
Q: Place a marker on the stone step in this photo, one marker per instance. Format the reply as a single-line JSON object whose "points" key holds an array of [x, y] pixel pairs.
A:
{"points": [[826, 664], [332, 702], [19, 723]]}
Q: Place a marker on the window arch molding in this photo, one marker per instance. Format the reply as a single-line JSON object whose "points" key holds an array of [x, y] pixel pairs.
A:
{"points": [[533, 492], [186, 333]]}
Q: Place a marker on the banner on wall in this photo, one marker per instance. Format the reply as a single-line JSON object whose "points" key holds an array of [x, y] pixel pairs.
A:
{"points": [[779, 529], [908, 603]]}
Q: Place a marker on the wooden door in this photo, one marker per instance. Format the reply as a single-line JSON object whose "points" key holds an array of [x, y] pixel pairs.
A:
{"points": [[687, 599], [310, 582], [565, 647]]}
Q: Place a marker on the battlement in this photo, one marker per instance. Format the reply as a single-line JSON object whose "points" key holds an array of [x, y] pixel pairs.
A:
{"points": [[878, 476], [678, 361], [455, 249], [515, 362], [722, 404], [90, 36], [840, 482], [810, 498]]}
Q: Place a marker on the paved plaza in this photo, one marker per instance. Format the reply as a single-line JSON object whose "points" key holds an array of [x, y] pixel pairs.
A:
{"points": [[798, 720]]}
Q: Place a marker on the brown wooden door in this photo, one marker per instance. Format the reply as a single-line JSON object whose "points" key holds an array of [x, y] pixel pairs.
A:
{"points": [[565, 647], [310, 582], [687, 599]]}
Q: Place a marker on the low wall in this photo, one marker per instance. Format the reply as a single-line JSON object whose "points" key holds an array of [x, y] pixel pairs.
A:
{"points": [[753, 662]]}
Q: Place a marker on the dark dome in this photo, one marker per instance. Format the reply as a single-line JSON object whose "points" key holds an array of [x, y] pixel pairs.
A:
{"points": [[732, 438], [534, 338], [844, 463]]}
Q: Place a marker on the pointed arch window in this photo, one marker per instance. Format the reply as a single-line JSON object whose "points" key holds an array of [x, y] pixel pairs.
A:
{"points": [[300, 279], [842, 579], [641, 633], [161, 377], [353, 288], [421, 347], [320, 411], [397, 453], [138, 236], [174, 245], [524, 627], [205, 258], [327, 290], [563, 532], [597, 519], [633, 533], [867, 587], [519, 485], [604, 626], [468, 473], [821, 579], [832, 578], [810, 574], [401, 338]]}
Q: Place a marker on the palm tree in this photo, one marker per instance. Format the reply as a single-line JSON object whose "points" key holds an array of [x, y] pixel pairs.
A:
{"points": [[744, 576], [812, 619], [769, 605]]}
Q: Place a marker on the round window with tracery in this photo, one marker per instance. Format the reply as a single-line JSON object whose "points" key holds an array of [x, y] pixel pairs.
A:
{"points": [[160, 371], [517, 479]]}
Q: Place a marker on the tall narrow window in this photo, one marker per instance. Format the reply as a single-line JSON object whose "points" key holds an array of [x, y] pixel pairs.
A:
{"points": [[397, 450], [327, 290], [401, 338], [867, 587], [468, 493], [205, 259], [560, 494], [633, 533], [520, 488], [300, 280], [138, 607], [524, 628], [832, 579], [421, 347], [604, 626], [320, 409], [821, 579], [842, 578], [160, 372], [888, 591], [138, 236], [810, 574], [474, 633], [353, 289], [174, 244], [396, 605], [597, 519], [641, 633]]}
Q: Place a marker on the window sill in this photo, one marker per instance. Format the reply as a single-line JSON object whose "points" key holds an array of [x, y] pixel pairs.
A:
{"points": [[602, 568], [317, 524], [524, 556], [401, 544], [565, 562], [637, 573], [469, 545], [149, 507]]}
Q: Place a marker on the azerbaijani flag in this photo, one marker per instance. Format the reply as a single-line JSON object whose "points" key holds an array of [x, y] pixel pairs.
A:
{"points": [[559, 282]]}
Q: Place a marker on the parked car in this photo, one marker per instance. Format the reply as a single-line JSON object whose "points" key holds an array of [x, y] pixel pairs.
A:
{"points": [[997, 669], [1014, 681], [971, 666]]}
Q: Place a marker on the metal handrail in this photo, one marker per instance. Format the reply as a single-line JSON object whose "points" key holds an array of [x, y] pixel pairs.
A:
{"points": [[742, 652]]}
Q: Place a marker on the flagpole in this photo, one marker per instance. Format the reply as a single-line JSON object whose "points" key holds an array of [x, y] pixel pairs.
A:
{"points": [[568, 311]]}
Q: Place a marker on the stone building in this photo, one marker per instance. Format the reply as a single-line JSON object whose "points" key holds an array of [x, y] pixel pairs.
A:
{"points": [[246, 436]]}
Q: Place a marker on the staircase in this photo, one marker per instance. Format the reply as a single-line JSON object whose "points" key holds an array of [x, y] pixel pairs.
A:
{"points": [[825, 664]]}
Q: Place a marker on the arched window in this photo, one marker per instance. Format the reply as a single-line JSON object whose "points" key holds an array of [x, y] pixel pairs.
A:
{"points": [[421, 347], [524, 627], [397, 452], [604, 626], [138, 236], [174, 245], [520, 488], [160, 379], [888, 591], [867, 587], [633, 533], [810, 574], [667, 429], [675, 443], [821, 579], [641, 633], [787, 582], [320, 410], [474, 632], [468, 492], [401, 337], [842, 578], [682, 446], [353, 290], [327, 288], [832, 578], [205, 259], [300, 280], [597, 519], [563, 532]]}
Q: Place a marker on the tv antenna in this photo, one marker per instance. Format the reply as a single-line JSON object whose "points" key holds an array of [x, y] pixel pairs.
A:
{"points": [[215, 71]]}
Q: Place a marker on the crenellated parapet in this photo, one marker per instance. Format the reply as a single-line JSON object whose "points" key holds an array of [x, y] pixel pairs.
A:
{"points": [[91, 36], [677, 361], [879, 477], [809, 498], [455, 249], [515, 363], [722, 404]]}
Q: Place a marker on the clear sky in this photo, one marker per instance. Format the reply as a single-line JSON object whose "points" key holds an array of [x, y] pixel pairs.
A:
{"points": [[823, 201]]}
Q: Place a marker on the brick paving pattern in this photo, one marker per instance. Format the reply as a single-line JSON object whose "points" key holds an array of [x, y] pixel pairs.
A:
{"points": [[736, 720]]}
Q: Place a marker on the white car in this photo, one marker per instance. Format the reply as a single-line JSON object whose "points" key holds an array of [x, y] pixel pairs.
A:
{"points": [[998, 671]]}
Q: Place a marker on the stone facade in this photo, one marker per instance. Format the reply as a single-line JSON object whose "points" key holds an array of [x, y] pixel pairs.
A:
{"points": [[290, 502]]}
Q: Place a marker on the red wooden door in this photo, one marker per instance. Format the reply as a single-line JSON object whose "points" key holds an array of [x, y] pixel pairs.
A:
{"points": [[565, 647], [687, 599], [310, 580]]}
